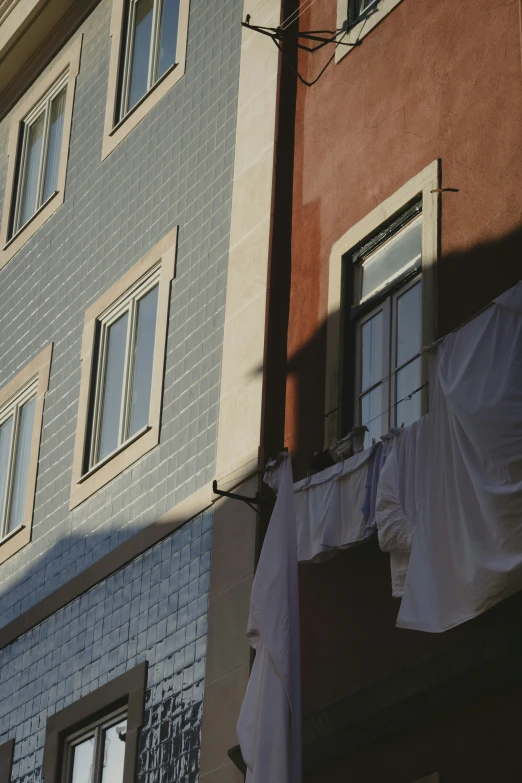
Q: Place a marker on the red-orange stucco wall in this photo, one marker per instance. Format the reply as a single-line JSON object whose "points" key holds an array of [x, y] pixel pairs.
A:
{"points": [[436, 79]]}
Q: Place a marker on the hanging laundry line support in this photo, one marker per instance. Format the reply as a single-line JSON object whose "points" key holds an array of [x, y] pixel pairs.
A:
{"points": [[234, 496]]}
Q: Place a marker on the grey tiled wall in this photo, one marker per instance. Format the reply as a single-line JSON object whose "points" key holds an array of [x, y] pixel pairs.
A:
{"points": [[175, 168], [154, 609]]}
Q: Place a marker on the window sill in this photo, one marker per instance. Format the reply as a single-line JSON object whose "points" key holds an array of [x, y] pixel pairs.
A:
{"points": [[114, 453], [362, 26], [142, 100], [30, 221], [12, 534]]}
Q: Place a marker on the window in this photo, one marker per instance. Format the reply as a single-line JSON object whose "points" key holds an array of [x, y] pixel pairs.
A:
{"points": [[38, 151], [123, 356], [21, 407], [148, 48], [41, 139], [123, 374], [95, 739], [357, 9], [362, 17], [97, 754], [382, 310], [386, 322]]}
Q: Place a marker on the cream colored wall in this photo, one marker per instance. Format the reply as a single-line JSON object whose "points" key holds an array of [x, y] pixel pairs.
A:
{"points": [[235, 525]]}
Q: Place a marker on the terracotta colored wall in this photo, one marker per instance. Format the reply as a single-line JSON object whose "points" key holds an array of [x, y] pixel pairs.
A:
{"points": [[436, 79]]}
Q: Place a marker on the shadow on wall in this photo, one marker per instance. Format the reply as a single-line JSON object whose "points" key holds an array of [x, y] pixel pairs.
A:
{"points": [[467, 282], [348, 633]]}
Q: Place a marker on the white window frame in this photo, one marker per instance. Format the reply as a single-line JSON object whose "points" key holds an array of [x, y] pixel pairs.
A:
{"points": [[13, 409], [423, 186], [95, 729], [42, 107], [31, 382], [152, 76], [126, 304], [364, 25], [161, 259], [119, 123], [66, 67], [388, 381]]}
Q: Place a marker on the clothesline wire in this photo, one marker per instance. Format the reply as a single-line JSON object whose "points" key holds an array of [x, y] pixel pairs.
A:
{"points": [[291, 18], [404, 399]]}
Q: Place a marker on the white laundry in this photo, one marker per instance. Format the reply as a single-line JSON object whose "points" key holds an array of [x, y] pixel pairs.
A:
{"points": [[269, 726], [397, 498], [467, 548], [329, 508]]}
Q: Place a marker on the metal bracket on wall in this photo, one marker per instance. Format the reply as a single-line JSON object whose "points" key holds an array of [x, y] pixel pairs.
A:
{"points": [[322, 37], [234, 496]]}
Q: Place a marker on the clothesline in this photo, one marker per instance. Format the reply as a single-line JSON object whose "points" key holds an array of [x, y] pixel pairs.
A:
{"points": [[404, 399]]}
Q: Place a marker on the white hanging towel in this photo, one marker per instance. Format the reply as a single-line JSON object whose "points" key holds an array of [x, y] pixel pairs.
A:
{"points": [[396, 505], [467, 548], [269, 726], [329, 508]]}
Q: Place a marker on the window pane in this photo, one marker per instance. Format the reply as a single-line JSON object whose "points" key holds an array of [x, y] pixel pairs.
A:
{"points": [[114, 753], [143, 358], [140, 51], [371, 343], [400, 253], [409, 324], [5, 447], [55, 143], [113, 387], [371, 407], [168, 35], [363, 5], [83, 757], [32, 168], [409, 379], [23, 452]]}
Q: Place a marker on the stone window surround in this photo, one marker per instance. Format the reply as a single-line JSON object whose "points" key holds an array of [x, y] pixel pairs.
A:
{"points": [[84, 485], [422, 186], [39, 368], [127, 689], [361, 29], [113, 133], [70, 62]]}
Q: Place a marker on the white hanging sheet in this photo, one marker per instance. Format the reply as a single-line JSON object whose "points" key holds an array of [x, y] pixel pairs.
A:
{"points": [[269, 725], [329, 508], [467, 549], [397, 497]]}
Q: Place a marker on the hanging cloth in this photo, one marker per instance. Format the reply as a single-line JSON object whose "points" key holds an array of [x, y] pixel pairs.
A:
{"points": [[269, 725], [467, 549]]}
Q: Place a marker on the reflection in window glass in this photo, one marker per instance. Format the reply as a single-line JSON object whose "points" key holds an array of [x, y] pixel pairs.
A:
{"points": [[409, 324], [371, 408], [395, 257], [150, 48], [83, 761], [140, 51], [5, 450], [54, 145], [32, 169], [39, 157], [21, 469], [371, 338], [143, 361], [169, 36], [114, 753], [113, 387]]}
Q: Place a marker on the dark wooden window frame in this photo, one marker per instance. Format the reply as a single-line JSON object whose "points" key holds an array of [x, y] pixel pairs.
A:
{"points": [[351, 313], [6, 760], [126, 690]]}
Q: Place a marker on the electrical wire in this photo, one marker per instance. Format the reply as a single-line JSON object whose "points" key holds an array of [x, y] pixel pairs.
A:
{"points": [[291, 18], [404, 399]]}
